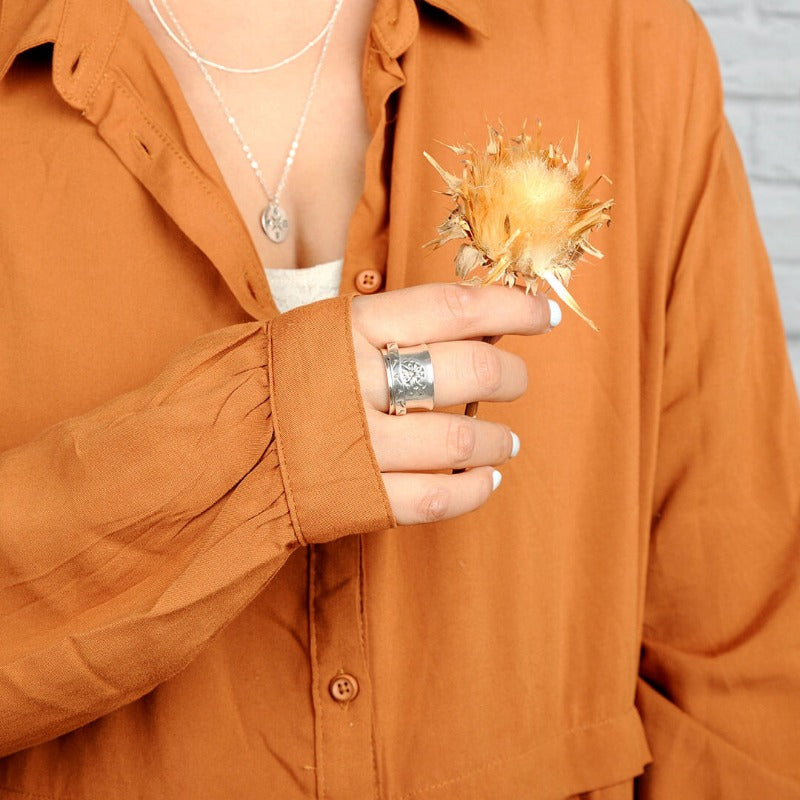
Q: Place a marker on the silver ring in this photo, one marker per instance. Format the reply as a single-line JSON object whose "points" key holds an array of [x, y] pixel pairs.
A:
{"points": [[409, 371]]}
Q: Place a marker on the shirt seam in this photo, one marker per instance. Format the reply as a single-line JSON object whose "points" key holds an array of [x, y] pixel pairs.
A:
{"points": [[316, 693], [511, 756], [287, 484], [366, 75], [399, 242], [362, 631]]}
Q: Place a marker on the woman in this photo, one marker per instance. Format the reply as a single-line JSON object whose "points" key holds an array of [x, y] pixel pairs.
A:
{"points": [[200, 598]]}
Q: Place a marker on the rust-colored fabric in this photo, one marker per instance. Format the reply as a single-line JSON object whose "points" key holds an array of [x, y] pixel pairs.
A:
{"points": [[194, 538]]}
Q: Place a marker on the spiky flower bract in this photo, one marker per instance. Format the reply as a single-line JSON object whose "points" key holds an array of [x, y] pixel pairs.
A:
{"points": [[524, 211]]}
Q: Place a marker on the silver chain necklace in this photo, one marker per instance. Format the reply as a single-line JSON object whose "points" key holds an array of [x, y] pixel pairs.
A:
{"points": [[239, 70], [274, 220]]}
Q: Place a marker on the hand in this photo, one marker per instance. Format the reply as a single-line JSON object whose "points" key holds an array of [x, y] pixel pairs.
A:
{"points": [[451, 319]]}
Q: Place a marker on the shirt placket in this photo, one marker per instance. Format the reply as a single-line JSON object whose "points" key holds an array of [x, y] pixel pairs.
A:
{"points": [[395, 26], [342, 692], [346, 765]]}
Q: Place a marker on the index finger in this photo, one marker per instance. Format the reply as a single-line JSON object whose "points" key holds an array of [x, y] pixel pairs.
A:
{"points": [[443, 312]]}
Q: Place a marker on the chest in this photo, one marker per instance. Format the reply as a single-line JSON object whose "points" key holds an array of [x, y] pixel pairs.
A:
{"points": [[296, 133]]}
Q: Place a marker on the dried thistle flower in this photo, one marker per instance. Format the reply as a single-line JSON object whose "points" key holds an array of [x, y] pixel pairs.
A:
{"points": [[524, 213]]}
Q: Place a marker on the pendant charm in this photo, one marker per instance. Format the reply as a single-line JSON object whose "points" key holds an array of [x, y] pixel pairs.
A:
{"points": [[275, 223]]}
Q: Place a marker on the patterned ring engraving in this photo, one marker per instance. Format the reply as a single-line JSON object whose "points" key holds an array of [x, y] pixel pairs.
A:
{"points": [[409, 371]]}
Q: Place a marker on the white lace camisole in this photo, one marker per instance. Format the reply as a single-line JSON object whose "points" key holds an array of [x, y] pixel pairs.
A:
{"points": [[297, 287]]}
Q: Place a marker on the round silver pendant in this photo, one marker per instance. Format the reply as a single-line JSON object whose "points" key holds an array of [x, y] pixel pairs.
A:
{"points": [[275, 223]]}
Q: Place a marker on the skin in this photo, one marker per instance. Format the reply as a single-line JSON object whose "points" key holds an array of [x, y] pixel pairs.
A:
{"points": [[450, 318], [337, 124]]}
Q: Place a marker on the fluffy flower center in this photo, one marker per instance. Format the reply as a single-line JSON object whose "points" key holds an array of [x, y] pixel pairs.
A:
{"points": [[528, 196]]}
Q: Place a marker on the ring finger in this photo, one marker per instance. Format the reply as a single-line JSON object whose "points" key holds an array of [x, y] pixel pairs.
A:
{"points": [[463, 371]]}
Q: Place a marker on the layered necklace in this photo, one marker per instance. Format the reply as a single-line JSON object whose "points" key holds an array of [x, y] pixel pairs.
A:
{"points": [[274, 221]]}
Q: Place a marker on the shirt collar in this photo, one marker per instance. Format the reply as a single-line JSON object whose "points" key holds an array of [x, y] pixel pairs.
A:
{"points": [[27, 23], [472, 13], [83, 31], [396, 22]]}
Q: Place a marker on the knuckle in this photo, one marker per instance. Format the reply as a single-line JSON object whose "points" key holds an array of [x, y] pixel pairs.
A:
{"points": [[433, 505], [531, 314], [538, 313], [487, 368], [488, 486], [503, 450], [460, 441], [523, 378], [460, 303]]}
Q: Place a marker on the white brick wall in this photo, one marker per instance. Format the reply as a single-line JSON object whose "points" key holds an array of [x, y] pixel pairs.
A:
{"points": [[758, 44]]}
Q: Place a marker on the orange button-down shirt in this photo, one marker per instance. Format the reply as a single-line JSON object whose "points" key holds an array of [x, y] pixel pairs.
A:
{"points": [[201, 595]]}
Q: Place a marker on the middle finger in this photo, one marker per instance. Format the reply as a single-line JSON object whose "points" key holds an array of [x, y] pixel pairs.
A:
{"points": [[433, 441]]}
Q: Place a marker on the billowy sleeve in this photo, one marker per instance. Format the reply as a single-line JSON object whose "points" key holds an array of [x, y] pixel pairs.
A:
{"points": [[719, 688], [131, 535]]}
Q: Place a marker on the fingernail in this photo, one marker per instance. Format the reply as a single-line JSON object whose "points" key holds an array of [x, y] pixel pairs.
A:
{"points": [[514, 444], [555, 313], [496, 478]]}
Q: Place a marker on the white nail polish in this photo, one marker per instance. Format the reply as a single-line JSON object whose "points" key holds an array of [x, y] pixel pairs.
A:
{"points": [[514, 444], [555, 313], [496, 478]]}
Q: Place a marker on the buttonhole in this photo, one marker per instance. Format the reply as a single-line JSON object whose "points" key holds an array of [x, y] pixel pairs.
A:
{"points": [[74, 68], [142, 145]]}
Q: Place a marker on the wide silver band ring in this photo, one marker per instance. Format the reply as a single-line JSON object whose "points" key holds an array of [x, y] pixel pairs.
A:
{"points": [[409, 371]]}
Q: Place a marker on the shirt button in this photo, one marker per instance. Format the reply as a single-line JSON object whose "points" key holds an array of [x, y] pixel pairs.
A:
{"points": [[343, 688], [369, 281]]}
